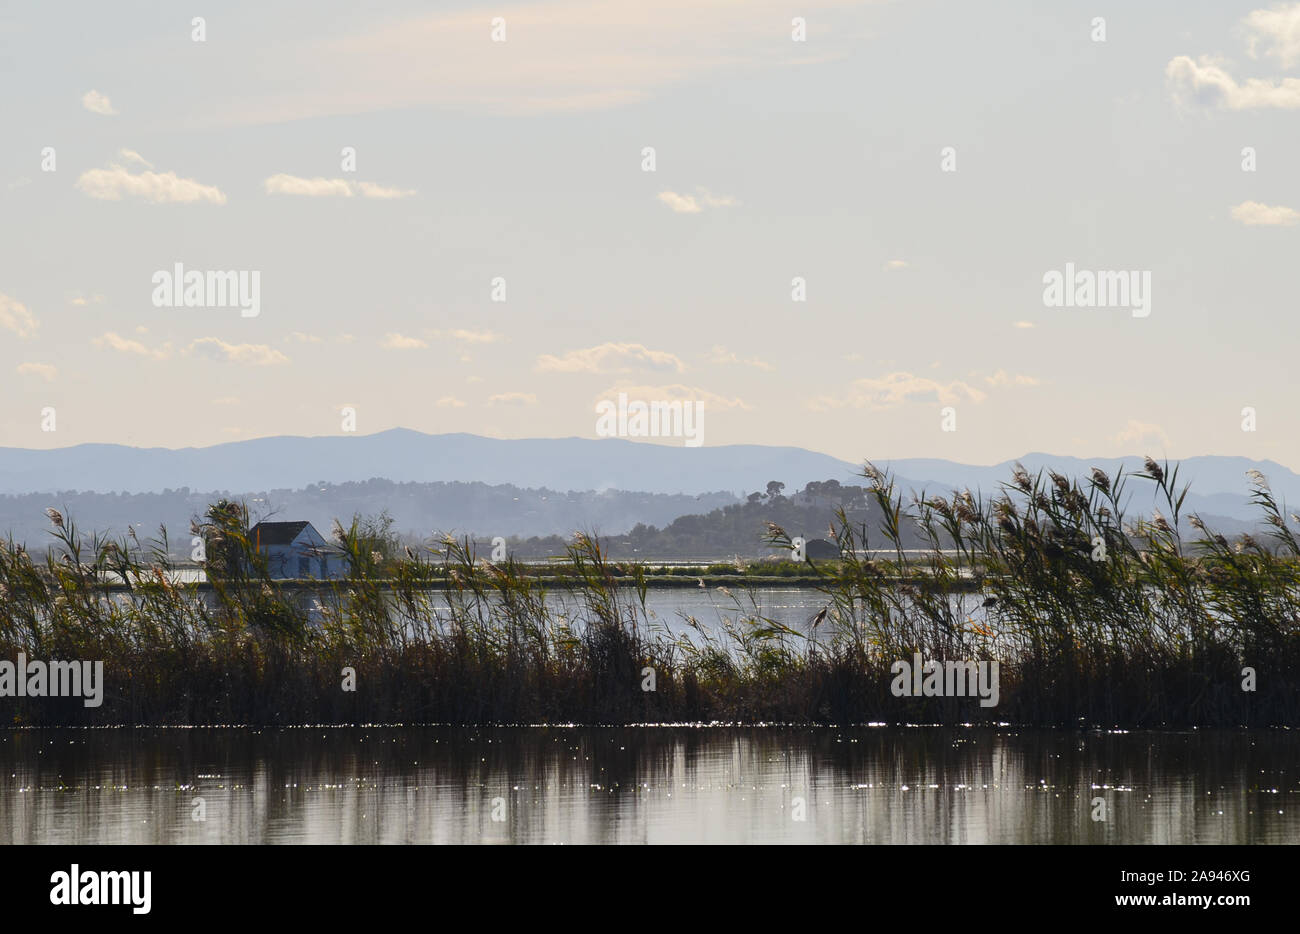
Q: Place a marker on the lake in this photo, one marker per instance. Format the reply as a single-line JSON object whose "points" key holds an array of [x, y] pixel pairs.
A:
{"points": [[673, 784]]}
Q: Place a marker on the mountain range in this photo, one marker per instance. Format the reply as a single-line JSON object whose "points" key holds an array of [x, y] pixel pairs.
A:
{"points": [[655, 482]]}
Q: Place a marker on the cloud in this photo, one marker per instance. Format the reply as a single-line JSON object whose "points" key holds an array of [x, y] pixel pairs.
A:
{"points": [[450, 402], [115, 341], [1254, 214], [116, 181], [300, 337], [897, 389], [680, 204], [330, 188], [560, 56], [717, 201], [475, 337], [1002, 379], [691, 204], [15, 317], [1274, 33], [675, 392], [214, 348], [44, 370], [1135, 432], [1206, 82], [80, 299], [1023, 324], [720, 355], [130, 155], [610, 358], [896, 264], [98, 103], [513, 398], [308, 187], [371, 190], [465, 336], [394, 341]]}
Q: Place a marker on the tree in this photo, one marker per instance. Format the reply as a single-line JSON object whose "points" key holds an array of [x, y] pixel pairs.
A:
{"points": [[224, 531], [774, 488]]}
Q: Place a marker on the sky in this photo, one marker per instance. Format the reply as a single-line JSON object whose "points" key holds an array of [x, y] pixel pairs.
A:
{"points": [[389, 171]]}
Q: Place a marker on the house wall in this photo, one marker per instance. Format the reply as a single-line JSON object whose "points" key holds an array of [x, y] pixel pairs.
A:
{"points": [[286, 561]]}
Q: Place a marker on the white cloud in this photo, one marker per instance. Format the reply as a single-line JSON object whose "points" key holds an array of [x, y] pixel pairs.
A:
{"points": [[450, 402], [115, 341], [330, 188], [1136, 432], [44, 370], [561, 56], [15, 317], [896, 264], [1274, 33], [214, 348], [308, 187], [723, 356], [1254, 214], [1023, 324], [1207, 83], [98, 103], [693, 204], [896, 389], [300, 337], [476, 337], [680, 204], [394, 341], [717, 201], [371, 190], [112, 183], [130, 155], [674, 392], [465, 336], [513, 398], [1002, 379], [610, 358]]}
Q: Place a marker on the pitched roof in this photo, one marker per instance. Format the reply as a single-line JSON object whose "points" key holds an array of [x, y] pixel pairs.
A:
{"points": [[275, 533]]}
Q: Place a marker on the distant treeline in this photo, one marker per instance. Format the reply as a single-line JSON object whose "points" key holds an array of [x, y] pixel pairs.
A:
{"points": [[735, 529], [417, 509]]}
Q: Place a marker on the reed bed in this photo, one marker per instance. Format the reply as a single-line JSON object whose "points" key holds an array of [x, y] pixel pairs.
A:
{"points": [[1095, 621]]}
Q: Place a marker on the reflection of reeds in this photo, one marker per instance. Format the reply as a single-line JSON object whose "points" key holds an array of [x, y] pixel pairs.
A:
{"points": [[1093, 619]]}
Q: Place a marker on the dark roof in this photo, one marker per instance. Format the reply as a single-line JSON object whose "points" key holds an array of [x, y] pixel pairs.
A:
{"points": [[275, 533]]}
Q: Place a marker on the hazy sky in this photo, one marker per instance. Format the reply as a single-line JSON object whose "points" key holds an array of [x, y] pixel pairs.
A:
{"points": [[774, 159]]}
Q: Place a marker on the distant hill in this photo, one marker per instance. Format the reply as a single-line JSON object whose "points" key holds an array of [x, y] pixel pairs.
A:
{"points": [[524, 488], [402, 455], [418, 510]]}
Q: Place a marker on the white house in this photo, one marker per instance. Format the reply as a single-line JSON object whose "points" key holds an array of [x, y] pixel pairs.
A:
{"points": [[295, 550]]}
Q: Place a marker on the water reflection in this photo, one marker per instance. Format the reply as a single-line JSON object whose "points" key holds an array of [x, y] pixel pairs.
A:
{"points": [[647, 785]]}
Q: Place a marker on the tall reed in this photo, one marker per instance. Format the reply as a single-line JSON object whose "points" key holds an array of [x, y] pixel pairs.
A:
{"points": [[1094, 619]]}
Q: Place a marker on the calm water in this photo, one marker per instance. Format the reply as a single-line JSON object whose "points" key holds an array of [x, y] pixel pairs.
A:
{"points": [[646, 785]]}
